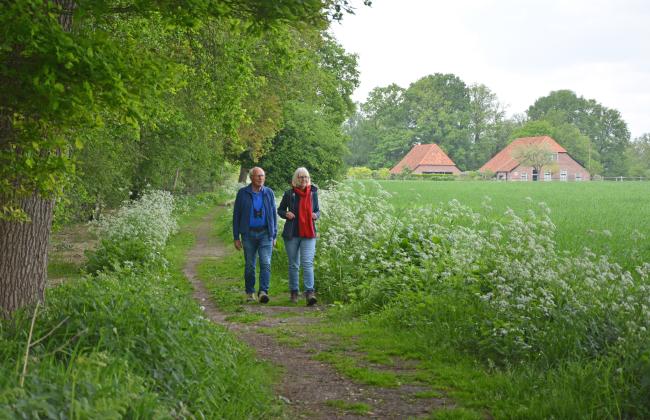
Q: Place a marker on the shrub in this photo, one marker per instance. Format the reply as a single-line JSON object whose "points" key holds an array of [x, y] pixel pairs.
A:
{"points": [[359, 172], [381, 173], [136, 233], [487, 174], [433, 177]]}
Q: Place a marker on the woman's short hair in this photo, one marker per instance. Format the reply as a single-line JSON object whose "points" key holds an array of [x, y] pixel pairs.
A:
{"points": [[297, 174]]}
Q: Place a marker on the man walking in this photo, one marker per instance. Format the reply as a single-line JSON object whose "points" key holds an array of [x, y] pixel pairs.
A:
{"points": [[255, 227]]}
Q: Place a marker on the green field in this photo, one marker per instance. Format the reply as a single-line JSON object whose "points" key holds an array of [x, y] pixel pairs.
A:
{"points": [[600, 215]]}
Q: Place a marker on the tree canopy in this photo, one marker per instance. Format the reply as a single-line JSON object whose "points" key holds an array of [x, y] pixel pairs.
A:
{"points": [[102, 100], [604, 127], [466, 121]]}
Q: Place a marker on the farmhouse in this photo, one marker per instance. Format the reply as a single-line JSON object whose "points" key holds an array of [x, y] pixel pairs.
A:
{"points": [[426, 159], [562, 166]]}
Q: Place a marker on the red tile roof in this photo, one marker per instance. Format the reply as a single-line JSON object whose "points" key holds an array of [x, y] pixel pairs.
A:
{"points": [[423, 154], [504, 162]]}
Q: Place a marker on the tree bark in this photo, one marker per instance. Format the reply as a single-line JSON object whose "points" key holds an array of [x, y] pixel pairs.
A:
{"points": [[243, 174], [23, 256]]}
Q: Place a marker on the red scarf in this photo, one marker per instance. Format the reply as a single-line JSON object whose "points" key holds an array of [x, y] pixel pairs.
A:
{"points": [[305, 222]]}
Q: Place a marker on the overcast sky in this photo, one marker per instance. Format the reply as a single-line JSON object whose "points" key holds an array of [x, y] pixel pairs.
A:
{"points": [[520, 49]]}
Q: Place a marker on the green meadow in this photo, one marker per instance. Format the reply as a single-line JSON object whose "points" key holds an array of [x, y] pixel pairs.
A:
{"points": [[610, 218]]}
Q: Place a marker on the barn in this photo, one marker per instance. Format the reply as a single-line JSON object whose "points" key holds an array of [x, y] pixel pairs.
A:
{"points": [[562, 166], [426, 159]]}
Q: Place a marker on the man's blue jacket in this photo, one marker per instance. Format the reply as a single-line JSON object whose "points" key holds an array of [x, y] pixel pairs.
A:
{"points": [[242, 211]]}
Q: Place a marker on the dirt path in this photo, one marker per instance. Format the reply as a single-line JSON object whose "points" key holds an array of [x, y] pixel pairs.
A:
{"points": [[307, 384]]}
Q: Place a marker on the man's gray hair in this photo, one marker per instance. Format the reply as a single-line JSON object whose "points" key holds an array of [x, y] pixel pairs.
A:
{"points": [[300, 171], [250, 172]]}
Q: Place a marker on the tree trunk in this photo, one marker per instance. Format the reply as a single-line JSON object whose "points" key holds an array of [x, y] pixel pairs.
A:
{"points": [[243, 174], [178, 171], [23, 256]]}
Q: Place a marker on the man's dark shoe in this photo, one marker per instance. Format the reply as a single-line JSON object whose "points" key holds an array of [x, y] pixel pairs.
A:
{"points": [[263, 296], [310, 297], [294, 296]]}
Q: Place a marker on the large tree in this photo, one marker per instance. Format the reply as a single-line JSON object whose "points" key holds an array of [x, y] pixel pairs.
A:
{"points": [[379, 134], [604, 127], [312, 134], [488, 127], [468, 122], [438, 109], [61, 68]]}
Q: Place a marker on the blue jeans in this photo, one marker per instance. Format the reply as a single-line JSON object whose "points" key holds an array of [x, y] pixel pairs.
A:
{"points": [[301, 252], [254, 244]]}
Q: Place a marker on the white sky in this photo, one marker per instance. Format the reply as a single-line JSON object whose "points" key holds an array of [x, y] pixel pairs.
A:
{"points": [[520, 49]]}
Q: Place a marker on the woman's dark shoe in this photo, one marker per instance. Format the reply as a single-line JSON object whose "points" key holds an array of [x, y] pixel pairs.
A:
{"points": [[294, 296], [310, 297]]}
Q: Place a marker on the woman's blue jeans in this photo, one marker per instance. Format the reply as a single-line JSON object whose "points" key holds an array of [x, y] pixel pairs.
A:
{"points": [[255, 243], [301, 252]]}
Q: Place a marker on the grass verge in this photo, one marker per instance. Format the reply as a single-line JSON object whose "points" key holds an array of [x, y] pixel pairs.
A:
{"points": [[130, 342]]}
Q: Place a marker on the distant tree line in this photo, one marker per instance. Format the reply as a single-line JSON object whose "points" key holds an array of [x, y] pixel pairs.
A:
{"points": [[470, 124]]}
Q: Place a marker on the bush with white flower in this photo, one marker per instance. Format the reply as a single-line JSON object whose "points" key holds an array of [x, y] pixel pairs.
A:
{"points": [[491, 284], [136, 233]]}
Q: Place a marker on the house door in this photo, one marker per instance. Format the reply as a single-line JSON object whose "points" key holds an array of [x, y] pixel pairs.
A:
{"points": [[535, 174]]}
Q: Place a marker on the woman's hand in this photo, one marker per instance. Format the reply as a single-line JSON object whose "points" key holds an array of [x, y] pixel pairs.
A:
{"points": [[314, 216], [290, 216]]}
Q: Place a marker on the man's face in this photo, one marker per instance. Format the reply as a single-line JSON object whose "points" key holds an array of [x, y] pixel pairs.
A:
{"points": [[257, 178]]}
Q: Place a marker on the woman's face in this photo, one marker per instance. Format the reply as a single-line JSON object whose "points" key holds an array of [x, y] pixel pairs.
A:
{"points": [[303, 181]]}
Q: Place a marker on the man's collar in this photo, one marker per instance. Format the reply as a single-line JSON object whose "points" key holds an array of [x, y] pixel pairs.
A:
{"points": [[250, 188]]}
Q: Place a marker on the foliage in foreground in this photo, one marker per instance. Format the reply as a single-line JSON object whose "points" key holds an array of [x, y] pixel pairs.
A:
{"points": [[127, 343], [493, 287]]}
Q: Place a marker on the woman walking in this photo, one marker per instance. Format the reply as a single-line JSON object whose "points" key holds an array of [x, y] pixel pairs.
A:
{"points": [[299, 206]]}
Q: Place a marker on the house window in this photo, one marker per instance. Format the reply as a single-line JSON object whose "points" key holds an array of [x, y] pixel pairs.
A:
{"points": [[554, 157], [563, 176], [535, 175], [547, 176], [524, 176], [578, 176]]}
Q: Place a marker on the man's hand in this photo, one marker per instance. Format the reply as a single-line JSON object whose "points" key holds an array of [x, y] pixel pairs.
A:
{"points": [[290, 216], [237, 244]]}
